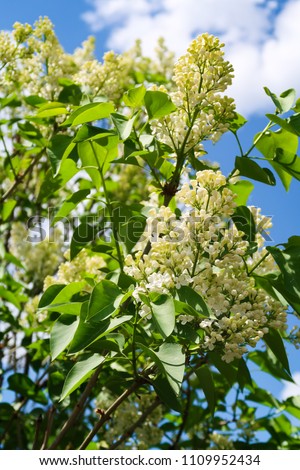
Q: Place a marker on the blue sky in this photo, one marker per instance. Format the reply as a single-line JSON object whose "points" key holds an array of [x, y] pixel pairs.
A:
{"points": [[262, 40]]}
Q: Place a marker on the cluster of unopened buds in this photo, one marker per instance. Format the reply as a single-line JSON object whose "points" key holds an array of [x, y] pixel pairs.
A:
{"points": [[203, 112]]}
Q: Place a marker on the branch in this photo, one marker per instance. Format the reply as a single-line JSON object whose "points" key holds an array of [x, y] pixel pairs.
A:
{"points": [[106, 414], [51, 412], [127, 434], [184, 418], [20, 178], [79, 407], [38, 424]]}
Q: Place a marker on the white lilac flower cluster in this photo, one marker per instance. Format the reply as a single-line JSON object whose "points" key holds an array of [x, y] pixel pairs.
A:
{"points": [[84, 265], [220, 442], [107, 78], [33, 60], [294, 336], [203, 112], [40, 258], [204, 250]]}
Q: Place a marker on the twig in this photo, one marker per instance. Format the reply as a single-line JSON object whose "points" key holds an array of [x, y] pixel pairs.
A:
{"points": [[106, 414], [50, 417], [127, 434], [79, 407], [19, 179], [38, 424], [184, 418], [258, 264]]}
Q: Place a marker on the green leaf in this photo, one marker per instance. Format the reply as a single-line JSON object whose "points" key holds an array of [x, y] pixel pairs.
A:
{"points": [[89, 112], [166, 169], [243, 374], [158, 104], [276, 286], [182, 308], [81, 371], [166, 393], [187, 334], [135, 96], [288, 162], [259, 395], [268, 363], [242, 189], [251, 169], [285, 101], [35, 100], [292, 406], [285, 177], [83, 234], [102, 300], [59, 293], [275, 343], [170, 359], [88, 132], [69, 204], [88, 332], [70, 308], [9, 297], [163, 315], [31, 133], [24, 386], [12, 101], [98, 155], [51, 185], [288, 261], [71, 92], [6, 412], [88, 156], [228, 371], [129, 223], [50, 294], [244, 221], [123, 125], [207, 384], [283, 123], [51, 109], [236, 123], [267, 283], [62, 334], [58, 145], [294, 121], [7, 208], [280, 426], [271, 141], [279, 148], [187, 295]]}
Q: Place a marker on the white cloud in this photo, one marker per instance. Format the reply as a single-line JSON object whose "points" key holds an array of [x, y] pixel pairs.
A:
{"points": [[262, 37], [290, 389]]}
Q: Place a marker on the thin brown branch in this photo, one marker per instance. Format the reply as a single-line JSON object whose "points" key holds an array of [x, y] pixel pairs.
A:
{"points": [[79, 407], [105, 415], [50, 416], [38, 425], [20, 178], [185, 416]]}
